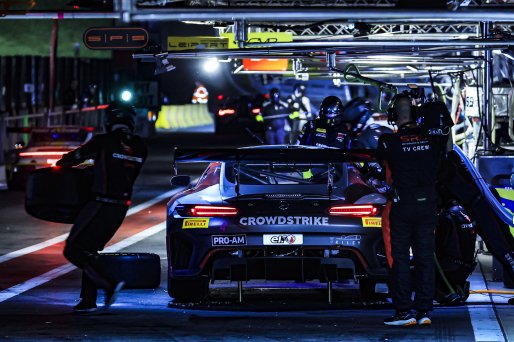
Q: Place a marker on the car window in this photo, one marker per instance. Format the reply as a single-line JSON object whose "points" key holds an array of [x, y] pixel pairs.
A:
{"points": [[56, 138], [283, 173]]}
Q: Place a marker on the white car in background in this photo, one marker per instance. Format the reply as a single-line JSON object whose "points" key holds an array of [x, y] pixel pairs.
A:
{"points": [[44, 148]]}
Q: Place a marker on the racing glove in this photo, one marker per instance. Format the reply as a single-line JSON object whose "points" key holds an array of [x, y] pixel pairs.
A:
{"points": [[259, 118]]}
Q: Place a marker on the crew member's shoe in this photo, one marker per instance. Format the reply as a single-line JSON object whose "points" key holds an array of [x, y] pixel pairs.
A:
{"points": [[423, 318], [112, 294], [85, 306], [404, 318]]}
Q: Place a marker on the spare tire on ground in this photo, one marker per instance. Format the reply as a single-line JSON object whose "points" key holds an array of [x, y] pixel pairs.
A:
{"points": [[138, 270]]}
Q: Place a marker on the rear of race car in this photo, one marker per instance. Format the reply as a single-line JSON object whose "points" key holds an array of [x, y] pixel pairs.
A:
{"points": [[45, 147], [274, 221]]}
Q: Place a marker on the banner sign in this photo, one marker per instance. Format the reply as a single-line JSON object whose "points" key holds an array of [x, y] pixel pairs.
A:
{"points": [[116, 38], [176, 43]]}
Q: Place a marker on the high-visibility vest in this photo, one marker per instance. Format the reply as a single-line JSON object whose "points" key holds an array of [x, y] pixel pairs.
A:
{"points": [[201, 95]]}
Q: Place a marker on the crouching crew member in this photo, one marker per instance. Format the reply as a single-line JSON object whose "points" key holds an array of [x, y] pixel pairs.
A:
{"points": [[411, 159], [118, 156]]}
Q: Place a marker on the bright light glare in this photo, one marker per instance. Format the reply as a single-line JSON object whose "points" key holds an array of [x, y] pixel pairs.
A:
{"points": [[211, 65], [126, 95]]}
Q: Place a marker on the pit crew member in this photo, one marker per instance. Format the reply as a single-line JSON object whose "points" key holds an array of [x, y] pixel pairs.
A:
{"points": [[118, 156]]}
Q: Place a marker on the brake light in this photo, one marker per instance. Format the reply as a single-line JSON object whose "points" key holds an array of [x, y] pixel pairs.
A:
{"points": [[220, 97], [210, 210], [223, 112], [357, 210], [256, 111], [42, 154]]}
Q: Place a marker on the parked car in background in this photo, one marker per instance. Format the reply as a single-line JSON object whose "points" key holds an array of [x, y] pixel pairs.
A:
{"points": [[237, 114], [44, 148]]}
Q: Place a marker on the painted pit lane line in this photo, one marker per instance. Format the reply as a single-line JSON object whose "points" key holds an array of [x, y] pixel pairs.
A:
{"points": [[60, 238], [484, 318], [47, 263]]}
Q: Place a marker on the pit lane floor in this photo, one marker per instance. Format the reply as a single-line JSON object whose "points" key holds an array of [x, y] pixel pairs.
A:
{"points": [[34, 307]]}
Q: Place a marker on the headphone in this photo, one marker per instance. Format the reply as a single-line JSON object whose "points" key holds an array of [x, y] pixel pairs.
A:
{"points": [[392, 114]]}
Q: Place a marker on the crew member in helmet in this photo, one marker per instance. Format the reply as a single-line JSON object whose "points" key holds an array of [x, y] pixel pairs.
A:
{"points": [[411, 158], [365, 132], [118, 155], [274, 115], [300, 109], [329, 129]]}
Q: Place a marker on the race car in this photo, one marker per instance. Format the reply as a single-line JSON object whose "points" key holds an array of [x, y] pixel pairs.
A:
{"points": [[275, 213], [237, 114], [44, 148]]}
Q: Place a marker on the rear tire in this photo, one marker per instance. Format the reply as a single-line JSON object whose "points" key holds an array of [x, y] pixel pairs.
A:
{"points": [[194, 289]]}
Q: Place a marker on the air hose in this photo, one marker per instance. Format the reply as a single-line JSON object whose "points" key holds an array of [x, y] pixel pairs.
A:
{"points": [[441, 273]]}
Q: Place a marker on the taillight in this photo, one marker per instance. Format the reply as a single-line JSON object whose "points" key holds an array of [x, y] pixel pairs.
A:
{"points": [[211, 210], [41, 154], [256, 111], [223, 112], [356, 210]]}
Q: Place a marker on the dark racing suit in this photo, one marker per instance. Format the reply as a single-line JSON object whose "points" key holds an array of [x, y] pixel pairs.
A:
{"points": [[275, 115], [318, 133], [411, 159], [118, 157]]}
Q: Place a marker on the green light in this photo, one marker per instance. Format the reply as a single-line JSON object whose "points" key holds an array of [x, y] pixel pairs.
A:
{"points": [[126, 95]]}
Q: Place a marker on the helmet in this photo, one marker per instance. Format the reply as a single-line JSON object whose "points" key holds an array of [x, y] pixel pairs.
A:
{"points": [[299, 90], [274, 95], [120, 114], [357, 112], [331, 110]]}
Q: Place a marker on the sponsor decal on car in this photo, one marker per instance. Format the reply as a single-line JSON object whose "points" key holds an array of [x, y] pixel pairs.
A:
{"points": [[195, 223], [282, 220], [282, 239], [228, 240], [346, 240], [372, 222], [321, 130]]}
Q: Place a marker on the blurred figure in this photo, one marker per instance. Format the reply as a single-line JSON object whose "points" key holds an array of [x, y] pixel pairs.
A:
{"points": [[365, 132], [300, 108], [330, 129], [200, 95], [274, 114], [89, 98], [463, 129]]}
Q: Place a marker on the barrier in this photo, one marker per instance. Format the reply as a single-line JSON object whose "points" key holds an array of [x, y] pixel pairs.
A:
{"points": [[176, 117]]}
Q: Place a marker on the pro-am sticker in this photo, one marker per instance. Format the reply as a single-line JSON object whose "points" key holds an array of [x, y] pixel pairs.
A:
{"points": [[228, 240], [372, 222], [282, 239], [195, 223]]}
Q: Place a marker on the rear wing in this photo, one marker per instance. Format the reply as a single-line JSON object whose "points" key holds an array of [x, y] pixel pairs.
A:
{"points": [[290, 154], [276, 154]]}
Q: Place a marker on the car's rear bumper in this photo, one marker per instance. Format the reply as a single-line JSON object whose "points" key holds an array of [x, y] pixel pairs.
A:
{"points": [[321, 256]]}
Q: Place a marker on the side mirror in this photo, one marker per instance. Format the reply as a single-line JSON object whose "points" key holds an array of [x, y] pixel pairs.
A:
{"points": [[181, 181]]}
